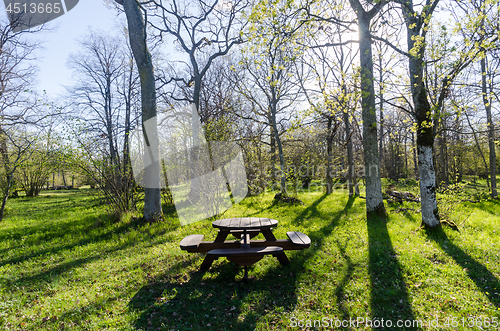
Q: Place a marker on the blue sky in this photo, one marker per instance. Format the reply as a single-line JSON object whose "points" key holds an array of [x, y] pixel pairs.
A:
{"points": [[62, 40]]}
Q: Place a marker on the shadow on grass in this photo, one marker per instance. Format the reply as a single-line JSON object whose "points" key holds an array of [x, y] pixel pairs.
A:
{"points": [[298, 264], [47, 276], [312, 211], [50, 229], [87, 231], [490, 206], [389, 296], [226, 303], [222, 303], [478, 273], [340, 292]]}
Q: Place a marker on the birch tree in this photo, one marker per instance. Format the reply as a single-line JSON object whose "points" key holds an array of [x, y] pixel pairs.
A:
{"points": [[417, 17]]}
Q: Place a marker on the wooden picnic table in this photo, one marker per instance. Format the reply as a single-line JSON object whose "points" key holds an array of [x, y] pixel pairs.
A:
{"points": [[245, 251]]}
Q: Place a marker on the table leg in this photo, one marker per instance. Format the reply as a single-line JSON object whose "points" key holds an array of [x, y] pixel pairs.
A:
{"points": [[207, 262], [221, 236], [282, 258], [246, 239], [268, 234]]}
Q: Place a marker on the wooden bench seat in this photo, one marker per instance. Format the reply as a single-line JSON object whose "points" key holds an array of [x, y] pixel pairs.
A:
{"points": [[249, 251], [191, 242], [245, 256], [299, 239]]}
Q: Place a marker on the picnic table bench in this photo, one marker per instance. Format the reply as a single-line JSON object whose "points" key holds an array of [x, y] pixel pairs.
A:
{"points": [[244, 251]]}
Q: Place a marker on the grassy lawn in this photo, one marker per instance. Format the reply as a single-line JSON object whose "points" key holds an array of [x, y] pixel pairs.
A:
{"points": [[66, 264]]}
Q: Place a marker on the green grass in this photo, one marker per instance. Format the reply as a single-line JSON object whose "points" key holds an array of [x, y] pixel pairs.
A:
{"points": [[66, 264]]}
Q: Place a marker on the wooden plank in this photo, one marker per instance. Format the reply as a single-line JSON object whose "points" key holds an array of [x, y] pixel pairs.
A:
{"points": [[235, 222], [206, 246], [294, 238], [244, 222], [286, 244], [191, 241], [305, 239], [299, 239], [246, 251], [273, 222], [225, 222], [265, 222], [255, 222]]}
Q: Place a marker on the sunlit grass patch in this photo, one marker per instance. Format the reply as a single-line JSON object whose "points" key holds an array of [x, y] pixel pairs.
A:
{"points": [[65, 262]]}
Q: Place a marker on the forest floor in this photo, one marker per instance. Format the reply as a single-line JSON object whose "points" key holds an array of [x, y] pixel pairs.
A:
{"points": [[66, 264]]}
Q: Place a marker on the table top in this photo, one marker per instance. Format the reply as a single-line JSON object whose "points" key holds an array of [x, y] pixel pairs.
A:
{"points": [[244, 223]]}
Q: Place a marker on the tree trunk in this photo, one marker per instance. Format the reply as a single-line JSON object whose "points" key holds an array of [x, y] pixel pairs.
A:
{"points": [[443, 160], [423, 114], [414, 153], [63, 178], [491, 130], [351, 170], [406, 155], [137, 35], [126, 177], [273, 154], [261, 165], [6, 196], [381, 140], [374, 200], [458, 159], [479, 150], [8, 171], [273, 106], [329, 152], [445, 154]]}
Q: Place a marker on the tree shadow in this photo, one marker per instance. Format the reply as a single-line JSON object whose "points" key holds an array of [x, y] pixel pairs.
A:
{"points": [[47, 276], [86, 231], [339, 292], [478, 273], [490, 206], [224, 302], [389, 294], [219, 303], [312, 210], [318, 241], [271, 206]]}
